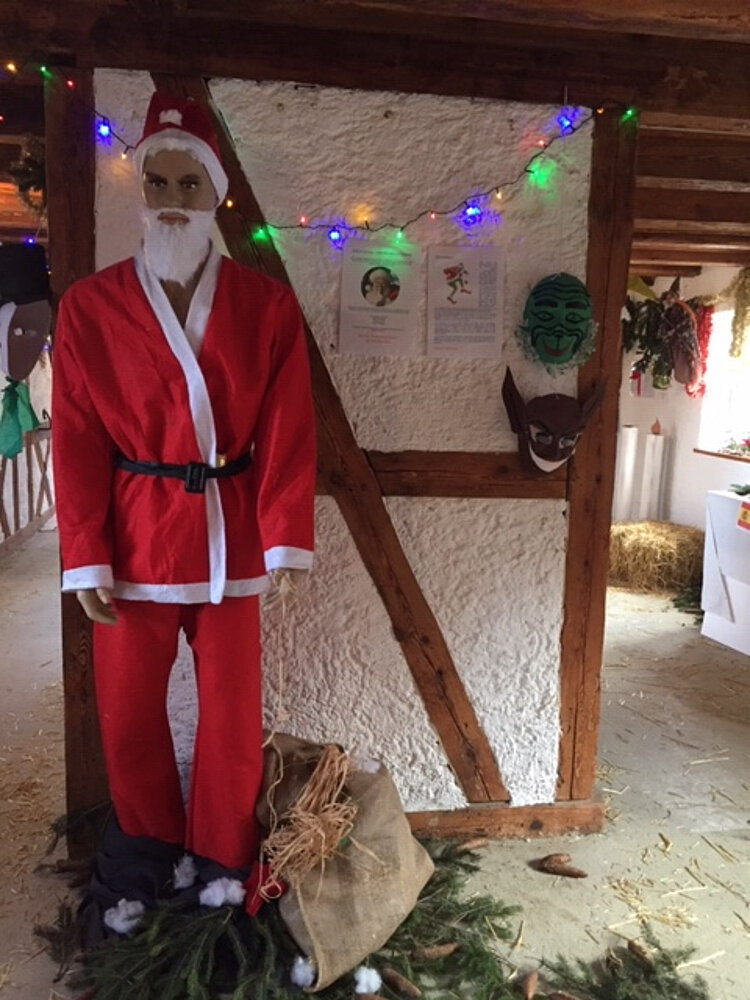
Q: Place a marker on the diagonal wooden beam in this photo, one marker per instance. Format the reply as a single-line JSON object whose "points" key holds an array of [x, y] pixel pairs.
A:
{"points": [[352, 482]]}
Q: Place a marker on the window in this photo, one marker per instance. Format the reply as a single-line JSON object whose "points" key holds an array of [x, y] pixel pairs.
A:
{"points": [[725, 413]]}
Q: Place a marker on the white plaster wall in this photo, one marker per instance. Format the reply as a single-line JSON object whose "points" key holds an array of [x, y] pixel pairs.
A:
{"points": [[689, 476], [492, 570]]}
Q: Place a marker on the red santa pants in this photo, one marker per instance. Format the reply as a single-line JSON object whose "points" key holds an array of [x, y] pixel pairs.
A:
{"points": [[132, 663]]}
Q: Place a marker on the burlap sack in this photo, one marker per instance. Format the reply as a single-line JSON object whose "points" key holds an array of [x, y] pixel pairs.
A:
{"points": [[340, 914]]}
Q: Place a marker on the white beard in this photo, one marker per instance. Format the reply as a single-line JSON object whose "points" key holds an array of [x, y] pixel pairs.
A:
{"points": [[174, 252]]}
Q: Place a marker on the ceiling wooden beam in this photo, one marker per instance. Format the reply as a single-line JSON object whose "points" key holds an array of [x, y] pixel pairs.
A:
{"points": [[711, 19], [696, 123], [714, 239], [665, 270], [395, 49], [689, 227], [671, 154], [725, 257], [718, 208]]}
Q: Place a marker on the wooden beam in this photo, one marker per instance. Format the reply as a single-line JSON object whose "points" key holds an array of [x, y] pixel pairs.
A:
{"points": [[406, 51], [591, 480], [689, 227], [719, 258], [461, 474], [717, 208], [715, 239], [670, 153], [721, 124], [729, 21], [351, 481], [70, 186], [665, 270], [510, 821]]}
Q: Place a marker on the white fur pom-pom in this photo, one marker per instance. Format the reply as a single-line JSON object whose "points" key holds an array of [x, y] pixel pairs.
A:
{"points": [[303, 972], [125, 917], [170, 117], [185, 872], [367, 980], [222, 891]]}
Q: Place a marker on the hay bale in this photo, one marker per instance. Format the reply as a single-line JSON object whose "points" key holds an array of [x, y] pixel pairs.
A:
{"points": [[655, 556]]}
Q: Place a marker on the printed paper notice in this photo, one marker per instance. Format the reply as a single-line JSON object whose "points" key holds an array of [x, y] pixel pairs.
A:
{"points": [[463, 302], [379, 298]]}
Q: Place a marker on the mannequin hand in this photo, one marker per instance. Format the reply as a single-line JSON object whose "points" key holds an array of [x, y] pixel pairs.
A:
{"points": [[284, 585], [97, 603]]}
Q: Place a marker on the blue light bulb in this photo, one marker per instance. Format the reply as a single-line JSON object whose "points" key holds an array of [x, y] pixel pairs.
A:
{"points": [[472, 214], [104, 129], [334, 235]]}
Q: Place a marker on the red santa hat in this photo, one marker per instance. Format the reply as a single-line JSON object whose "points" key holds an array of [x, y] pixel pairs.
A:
{"points": [[175, 123]]}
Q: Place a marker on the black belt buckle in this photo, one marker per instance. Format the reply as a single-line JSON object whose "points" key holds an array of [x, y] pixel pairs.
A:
{"points": [[196, 474]]}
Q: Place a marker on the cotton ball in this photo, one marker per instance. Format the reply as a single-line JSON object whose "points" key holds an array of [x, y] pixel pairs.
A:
{"points": [[303, 972], [125, 917], [367, 980], [221, 891], [367, 764], [235, 892], [185, 872]]}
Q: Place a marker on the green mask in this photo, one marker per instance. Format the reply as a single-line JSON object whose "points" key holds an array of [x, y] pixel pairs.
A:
{"points": [[558, 323]]}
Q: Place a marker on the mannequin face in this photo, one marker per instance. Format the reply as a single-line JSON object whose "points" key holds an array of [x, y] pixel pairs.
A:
{"points": [[174, 179]]}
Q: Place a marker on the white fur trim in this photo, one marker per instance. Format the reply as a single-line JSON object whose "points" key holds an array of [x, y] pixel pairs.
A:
{"points": [[170, 117], [188, 593], [87, 578], [173, 138], [202, 302], [125, 917], [185, 872], [222, 892], [200, 403], [303, 972], [287, 557], [367, 980]]}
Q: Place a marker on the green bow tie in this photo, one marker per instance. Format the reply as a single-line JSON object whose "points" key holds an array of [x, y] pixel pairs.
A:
{"points": [[17, 417]]}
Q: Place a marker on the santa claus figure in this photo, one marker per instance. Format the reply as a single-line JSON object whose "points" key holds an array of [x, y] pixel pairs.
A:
{"points": [[183, 435]]}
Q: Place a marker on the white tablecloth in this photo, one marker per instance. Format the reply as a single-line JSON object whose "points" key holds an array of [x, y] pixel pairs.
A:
{"points": [[726, 573]]}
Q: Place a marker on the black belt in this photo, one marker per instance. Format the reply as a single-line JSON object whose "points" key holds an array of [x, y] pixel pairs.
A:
{"points": [[194, 474]]}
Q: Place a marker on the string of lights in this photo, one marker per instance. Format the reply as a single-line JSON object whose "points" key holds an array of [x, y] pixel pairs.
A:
{"points": [[469, 211]]}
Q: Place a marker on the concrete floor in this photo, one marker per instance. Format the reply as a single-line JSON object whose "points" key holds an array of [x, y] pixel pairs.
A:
{"points": [[674, 769]]}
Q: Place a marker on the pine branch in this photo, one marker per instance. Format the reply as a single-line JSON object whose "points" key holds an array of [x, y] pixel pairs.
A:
{"points": [[631, 974]]}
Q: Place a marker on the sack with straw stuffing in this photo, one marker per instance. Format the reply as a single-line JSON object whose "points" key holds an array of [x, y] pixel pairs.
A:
{"points": [[338, 837]]}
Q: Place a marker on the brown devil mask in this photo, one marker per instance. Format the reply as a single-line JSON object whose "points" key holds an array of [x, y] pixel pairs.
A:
{"points": [[548, 427]]}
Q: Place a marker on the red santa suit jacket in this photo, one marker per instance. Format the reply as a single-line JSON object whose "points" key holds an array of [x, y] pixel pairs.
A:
{"points": [[127, 380]]}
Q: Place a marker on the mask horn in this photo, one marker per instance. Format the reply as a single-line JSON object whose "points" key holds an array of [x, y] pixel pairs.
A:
{"points": [[514, 404], [592, 404]]}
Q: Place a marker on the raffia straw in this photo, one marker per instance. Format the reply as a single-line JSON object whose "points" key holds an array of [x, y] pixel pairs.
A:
{"points": [[310, 832]]}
